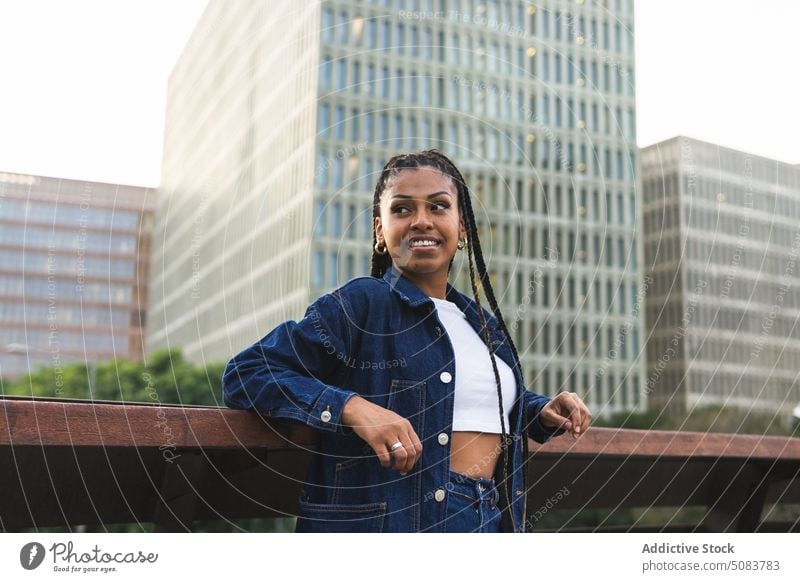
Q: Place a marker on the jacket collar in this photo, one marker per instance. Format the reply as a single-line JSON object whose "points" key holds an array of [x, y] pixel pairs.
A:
{"points": [[412, 295]]}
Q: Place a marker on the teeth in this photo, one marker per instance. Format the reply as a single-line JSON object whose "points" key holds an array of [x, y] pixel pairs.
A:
{"points": [[424, 243]]}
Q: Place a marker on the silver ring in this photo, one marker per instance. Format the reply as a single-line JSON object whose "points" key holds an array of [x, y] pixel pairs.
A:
{"points": [[395, 446]]}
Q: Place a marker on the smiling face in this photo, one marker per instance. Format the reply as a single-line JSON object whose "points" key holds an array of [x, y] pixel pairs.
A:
{"points": [[420, 225]]}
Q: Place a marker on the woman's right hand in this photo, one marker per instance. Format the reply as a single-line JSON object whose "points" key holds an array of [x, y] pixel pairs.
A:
{"points": [[380, 428]]}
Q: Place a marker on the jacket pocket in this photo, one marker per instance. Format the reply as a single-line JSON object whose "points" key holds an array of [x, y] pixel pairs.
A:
{"points": [[407, 398], [352, 475], [340, 518]]}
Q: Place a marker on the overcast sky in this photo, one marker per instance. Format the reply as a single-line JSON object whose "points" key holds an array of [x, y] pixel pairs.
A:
{"points": [[83, 82]]}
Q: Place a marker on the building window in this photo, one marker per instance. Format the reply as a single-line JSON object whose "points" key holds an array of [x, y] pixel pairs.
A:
{"points": [[385, 82], [453, 95], [427, 90], [372, 38], [557, 66], [338, 123], [366, 218], [343, 22], [317, 268], [327, 25], [336, 219], [412, 133], [427, 43], [324, 119], [338, 172], [355, 121], [322, 170], [333, 269], [356, 84], [368, 122], [386, 34], [325, 80], [544, 154], [544, 59], [401, 38], [319, 218], [351, 221], [398, 129], [341, 74], [399, 85], [383, 126]]}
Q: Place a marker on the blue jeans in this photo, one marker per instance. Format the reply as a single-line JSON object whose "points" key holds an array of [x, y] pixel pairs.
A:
{"points": [[471, 505]]}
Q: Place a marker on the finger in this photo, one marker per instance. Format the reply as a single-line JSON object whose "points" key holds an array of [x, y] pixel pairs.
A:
{"points": [[417, 447], [411, 445], [400, 456], [556, 412], [573, 404], [411, 454], [587, 417], [384, 456], [554, 419]]}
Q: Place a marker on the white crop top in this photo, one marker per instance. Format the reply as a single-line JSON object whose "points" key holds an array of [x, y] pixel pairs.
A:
{"points": [[476, 407]]}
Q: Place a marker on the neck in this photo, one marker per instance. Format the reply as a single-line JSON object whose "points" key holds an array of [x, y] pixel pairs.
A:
{"points": [[432, 284]]}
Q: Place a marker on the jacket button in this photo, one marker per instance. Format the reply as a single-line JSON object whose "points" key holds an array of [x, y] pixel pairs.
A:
{"points": [[443, 438], [445, 377], [325, 416], [438, 331], [439, 495]]}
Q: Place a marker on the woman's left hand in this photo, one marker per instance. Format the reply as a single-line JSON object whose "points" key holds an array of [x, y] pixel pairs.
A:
{"points": [[566, 410]]}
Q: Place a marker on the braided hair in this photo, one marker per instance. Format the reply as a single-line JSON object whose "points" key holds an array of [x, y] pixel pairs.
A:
{"points": [[380, 262]]}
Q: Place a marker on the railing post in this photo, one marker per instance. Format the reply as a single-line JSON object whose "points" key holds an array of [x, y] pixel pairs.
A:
{"points": [[736, 498], [177, 498]]}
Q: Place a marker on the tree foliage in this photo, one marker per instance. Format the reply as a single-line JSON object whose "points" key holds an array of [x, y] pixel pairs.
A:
{"points": [[704, 419], [165, 378]]}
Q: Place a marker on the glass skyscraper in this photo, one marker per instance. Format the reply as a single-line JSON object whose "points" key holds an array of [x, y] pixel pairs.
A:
{"points": [[281, 117]]}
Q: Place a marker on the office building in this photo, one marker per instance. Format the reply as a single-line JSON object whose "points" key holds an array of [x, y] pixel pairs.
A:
{"points": [[721, 242], [281, 117], [74, 265]]}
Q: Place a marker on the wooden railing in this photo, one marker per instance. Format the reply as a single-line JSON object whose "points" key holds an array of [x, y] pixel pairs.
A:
{"points": [[732, 477], [68, 462]]}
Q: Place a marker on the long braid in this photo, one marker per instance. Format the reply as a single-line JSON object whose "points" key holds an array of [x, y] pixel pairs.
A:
{"points": [[486, 285], [380, 263], [489, 291]]}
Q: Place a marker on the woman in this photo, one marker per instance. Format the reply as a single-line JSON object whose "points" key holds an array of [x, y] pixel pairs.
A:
{"points": [[417, 390]]}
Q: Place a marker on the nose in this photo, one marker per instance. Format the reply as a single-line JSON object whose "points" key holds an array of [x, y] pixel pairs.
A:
{"points": [[422, 220]]}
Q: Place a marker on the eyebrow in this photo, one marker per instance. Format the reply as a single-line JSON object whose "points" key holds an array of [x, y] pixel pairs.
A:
{"points": [[406, 197]]}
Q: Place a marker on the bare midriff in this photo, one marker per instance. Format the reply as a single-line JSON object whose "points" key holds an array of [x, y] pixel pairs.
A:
{"points": [[474, 453]]}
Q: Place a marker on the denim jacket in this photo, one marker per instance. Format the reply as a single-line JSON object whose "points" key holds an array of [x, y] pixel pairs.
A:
{"points": [[381, 339]]}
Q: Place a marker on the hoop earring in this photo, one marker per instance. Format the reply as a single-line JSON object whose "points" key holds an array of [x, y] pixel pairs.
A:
{"points": [[378, 250], [462, 244]]}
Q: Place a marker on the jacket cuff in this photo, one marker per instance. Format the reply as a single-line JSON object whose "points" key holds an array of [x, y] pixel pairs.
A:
{"points": [[536, 430], [326, 414]]}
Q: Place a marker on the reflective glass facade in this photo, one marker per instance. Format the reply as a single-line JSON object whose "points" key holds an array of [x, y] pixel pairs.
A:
{"points": [[280, 138], [722, 245], [73, 265]]}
